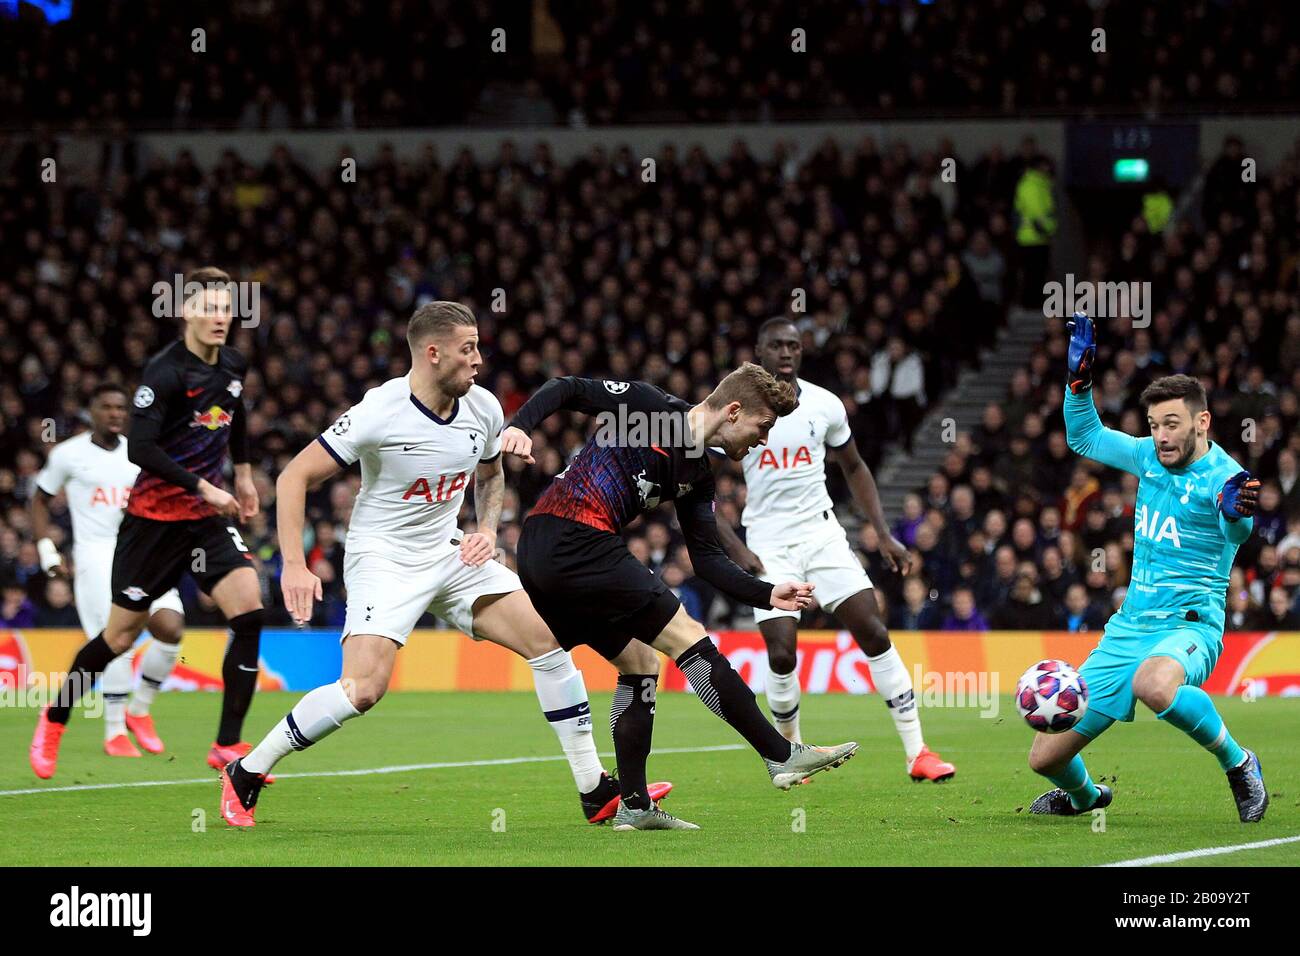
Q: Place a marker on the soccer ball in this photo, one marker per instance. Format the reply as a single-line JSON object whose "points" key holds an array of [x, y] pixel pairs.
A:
{"points": [[1052, 697]]}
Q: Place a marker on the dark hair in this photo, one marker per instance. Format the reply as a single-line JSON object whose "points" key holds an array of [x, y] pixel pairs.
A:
{"points": [[766, 328], [107, 388], [1189, 389]]}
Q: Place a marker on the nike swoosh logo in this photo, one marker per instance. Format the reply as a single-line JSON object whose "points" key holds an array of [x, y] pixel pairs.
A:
{"points": [[250, 670], [191, 392], [409, 447], [1153, 474]]}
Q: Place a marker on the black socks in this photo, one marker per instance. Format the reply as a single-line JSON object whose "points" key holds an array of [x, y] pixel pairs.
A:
{"points": [[89, 663], [720, 688], [631, 720], [239, 672]]}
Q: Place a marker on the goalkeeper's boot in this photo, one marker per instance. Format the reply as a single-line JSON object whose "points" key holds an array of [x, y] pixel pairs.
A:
{"points": [[651, 818], [1247, 783], [601, 803], [806, 760], [239, 792], [121, 746], [219, 756], [928, 765], [44, 751], [143, 730], [1057, 803]]}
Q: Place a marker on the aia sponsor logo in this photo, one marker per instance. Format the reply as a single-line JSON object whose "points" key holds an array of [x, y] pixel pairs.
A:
{"points": [[802, 456], [111, 497], [1150, 525], [444, 491]]}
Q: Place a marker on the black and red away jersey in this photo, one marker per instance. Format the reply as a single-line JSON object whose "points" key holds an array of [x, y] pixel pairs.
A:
{"points": [[622, 472], [184, 416]]}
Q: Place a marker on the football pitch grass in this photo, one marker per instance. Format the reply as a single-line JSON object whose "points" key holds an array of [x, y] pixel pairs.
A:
{"points": [[478, 806]]}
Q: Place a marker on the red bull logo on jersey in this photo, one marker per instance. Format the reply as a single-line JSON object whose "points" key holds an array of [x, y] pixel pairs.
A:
{"points": [[802, 456], [1156, 529], [214, 418]]}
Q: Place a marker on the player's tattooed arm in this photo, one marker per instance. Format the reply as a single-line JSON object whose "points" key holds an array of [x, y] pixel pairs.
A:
{"points": [[489, 493], [863, 486]]}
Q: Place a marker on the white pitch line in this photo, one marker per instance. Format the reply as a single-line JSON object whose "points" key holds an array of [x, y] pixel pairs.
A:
{"points": [[1207, 851], [399, 768]]}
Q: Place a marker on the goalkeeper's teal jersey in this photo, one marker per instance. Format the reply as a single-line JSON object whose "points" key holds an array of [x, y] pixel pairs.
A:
{"points": [[1183, 545]]}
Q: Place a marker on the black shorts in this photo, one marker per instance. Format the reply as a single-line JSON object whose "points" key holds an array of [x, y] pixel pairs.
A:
{"points": [[588, 587], [151, 556]]}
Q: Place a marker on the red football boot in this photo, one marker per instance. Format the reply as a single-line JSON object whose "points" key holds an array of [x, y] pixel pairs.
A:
{"points": [[143, 730], [219, 756], [44, 751], [239, 791], [121, 746], [928, 765]]}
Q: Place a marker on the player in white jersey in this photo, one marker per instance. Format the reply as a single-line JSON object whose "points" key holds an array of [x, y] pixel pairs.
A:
{"points": [[96, 476], [420, 439], [792, 534]]}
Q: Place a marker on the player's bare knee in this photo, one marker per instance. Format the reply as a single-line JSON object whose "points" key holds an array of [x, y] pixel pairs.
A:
{"points": [[1154, 689], [781, 660], [536, 641], [872, 637], [120, 639], [640, 659], [364, 692], [166, 627]]}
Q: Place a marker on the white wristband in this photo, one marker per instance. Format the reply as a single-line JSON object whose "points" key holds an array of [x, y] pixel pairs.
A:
{"points": [[48, 554]]}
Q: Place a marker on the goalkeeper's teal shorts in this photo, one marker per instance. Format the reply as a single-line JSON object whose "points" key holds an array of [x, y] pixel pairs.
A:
{"points": [[1110, 668]]}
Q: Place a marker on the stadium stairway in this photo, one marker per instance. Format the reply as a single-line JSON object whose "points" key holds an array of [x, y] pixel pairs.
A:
{"points": [[901, 472]]}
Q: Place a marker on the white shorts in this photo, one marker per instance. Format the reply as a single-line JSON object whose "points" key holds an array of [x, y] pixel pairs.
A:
{"points": [[92, 588], [387, 597], [822, 557]]}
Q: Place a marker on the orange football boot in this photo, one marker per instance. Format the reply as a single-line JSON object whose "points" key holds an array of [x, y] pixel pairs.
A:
{"points": [[143, 730], [928, 765], [44, 751], [219, 756], [234, 810], [121, 746]]}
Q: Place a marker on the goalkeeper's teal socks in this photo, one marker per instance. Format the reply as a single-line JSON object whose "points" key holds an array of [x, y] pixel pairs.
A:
{"points": [[1074, 780], [1193, 713]]}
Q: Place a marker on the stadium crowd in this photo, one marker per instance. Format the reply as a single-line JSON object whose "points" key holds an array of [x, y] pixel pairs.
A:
{"points": [[601, 274], [277, 64]]}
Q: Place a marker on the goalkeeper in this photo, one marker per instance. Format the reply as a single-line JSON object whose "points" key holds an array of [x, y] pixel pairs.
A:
{"points": [[1194, 507]]}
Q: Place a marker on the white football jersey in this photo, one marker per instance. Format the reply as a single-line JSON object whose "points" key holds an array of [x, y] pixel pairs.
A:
{"points": [[414, 465], [98, 485], [786, 478]]}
